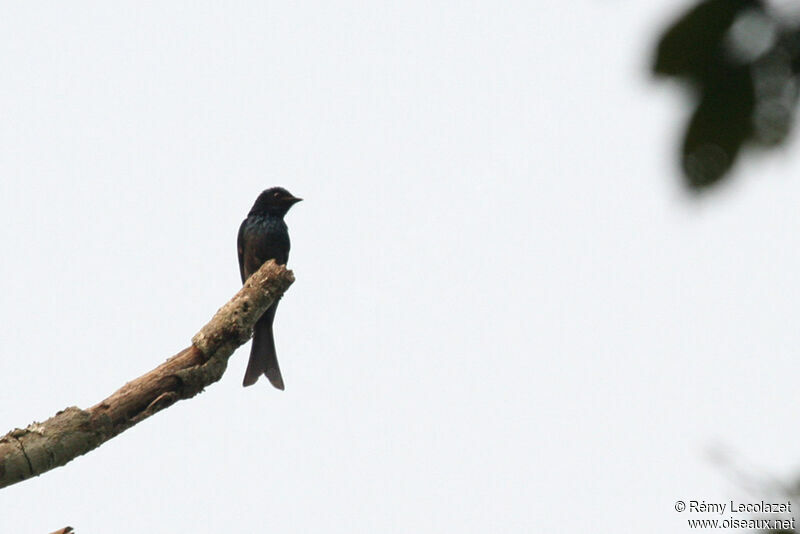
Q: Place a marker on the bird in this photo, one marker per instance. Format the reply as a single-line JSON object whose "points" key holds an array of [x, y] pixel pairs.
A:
{"points": [[264, 236]]}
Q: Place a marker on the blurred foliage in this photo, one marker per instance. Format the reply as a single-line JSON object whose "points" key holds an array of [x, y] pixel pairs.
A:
{"points": [[742, 62]]}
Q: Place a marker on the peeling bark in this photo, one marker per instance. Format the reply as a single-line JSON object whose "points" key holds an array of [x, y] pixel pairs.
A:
{"points": [[29, 452]]}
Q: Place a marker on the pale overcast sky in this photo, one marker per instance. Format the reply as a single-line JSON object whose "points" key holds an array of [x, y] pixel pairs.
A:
{"points": [[508, 316]]}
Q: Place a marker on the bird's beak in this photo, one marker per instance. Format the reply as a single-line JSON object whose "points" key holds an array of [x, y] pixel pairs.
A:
{"points": [[292, 200]]}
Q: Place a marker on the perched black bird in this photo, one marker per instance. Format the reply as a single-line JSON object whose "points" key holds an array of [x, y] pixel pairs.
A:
{"points": [[263, 236]]}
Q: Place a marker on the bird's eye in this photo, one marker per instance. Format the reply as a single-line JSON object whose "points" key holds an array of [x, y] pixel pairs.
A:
{"points": [[276, 195]]}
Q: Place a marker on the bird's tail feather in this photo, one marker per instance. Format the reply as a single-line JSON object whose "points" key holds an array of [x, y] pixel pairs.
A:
{"points": [[263, 358]]}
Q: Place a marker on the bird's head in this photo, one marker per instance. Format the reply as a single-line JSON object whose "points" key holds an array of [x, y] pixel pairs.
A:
{"points": [[274, 201]]}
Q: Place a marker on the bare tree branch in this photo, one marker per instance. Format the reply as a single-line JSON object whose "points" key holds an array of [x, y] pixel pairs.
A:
{"points": [[29, 452]]}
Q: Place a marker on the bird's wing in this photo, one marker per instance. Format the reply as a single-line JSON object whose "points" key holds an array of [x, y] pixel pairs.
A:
{"points": [[240, 247]]}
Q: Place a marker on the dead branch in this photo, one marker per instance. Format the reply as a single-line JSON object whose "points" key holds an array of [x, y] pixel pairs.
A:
{"points": [[29, 452]]}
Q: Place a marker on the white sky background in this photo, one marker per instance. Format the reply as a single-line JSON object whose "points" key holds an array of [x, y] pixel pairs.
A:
{"points": [[508, 317]]}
